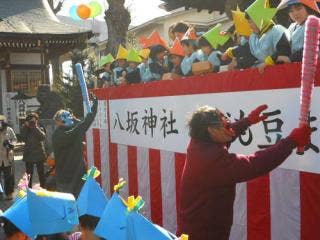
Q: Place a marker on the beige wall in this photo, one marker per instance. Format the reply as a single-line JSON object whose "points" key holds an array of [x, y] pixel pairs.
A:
{"points": [[193, 17]]}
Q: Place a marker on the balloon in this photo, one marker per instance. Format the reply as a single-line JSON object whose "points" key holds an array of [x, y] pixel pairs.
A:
{"points": [[83, 11], [73, 13], [96, 9]]}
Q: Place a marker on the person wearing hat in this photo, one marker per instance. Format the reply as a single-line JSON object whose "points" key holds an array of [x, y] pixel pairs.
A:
{"points": [[211, 172], [298, 11], [179, 29], [7, 141], [107, 76], [133, 72], [157, 62], [16, 221], [145, 72], [91, 204], [189, 44], [176, 57], [68, 149], [51, 212], [240, 55], [119, 72], [33, 135], [209, 43], [269, 43]]}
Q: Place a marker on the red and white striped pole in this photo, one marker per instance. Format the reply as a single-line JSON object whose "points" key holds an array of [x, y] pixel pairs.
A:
{"points": [[309, 64]]}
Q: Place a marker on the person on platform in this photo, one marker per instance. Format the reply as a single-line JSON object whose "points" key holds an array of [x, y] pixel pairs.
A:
{"points": [[179, 30], [119, 72], [269, 43], [68, 149], [157, 62], [189, 44], [176, 57], [34, 154], [211, 172], [209, 43], [144, 65], [133, 72], [298, 12], [7, 141], [240, 54], [107, 76]]}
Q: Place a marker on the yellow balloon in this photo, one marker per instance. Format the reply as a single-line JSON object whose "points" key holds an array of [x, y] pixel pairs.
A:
{"points": [[96, 9]]}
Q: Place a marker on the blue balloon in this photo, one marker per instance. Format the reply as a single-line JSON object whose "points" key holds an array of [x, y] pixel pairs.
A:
{"points": [[73, 13]]}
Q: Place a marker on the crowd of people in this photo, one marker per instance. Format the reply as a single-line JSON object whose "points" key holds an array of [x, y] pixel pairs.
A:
{"points": [[255, 41]]}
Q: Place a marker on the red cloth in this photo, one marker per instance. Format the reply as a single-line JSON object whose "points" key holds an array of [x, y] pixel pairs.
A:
{"points": [[209, 179]]}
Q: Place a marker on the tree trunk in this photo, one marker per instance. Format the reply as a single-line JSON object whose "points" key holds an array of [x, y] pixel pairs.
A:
{"points": [[118, 20]]}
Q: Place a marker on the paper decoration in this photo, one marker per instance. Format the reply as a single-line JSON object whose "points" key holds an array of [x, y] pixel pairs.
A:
{"points": [[241, 24], [122, 53], [92, 200], [177, 48], [309, 3], [152, 40], [133, 56], [144, 53], [113, 222], [18, 214], [52, 212], [190, 35], [216, 37], [105, 60], [261, 13]]}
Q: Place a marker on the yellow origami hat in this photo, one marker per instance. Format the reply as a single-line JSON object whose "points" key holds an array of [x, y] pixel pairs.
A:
{"points": [[122, 53], [241, 24], [144, 53]]}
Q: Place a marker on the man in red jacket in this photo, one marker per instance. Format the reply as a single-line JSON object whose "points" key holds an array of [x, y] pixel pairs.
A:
{"points": [[210, 174]]}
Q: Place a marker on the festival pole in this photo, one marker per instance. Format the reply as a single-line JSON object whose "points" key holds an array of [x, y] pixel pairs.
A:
{"points": [[83, 86], [309, 65]]}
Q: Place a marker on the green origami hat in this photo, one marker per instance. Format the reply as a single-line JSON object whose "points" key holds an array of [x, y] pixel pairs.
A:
{"points": [[105, 60], [215, 36], [261, 13], [133, 56]]}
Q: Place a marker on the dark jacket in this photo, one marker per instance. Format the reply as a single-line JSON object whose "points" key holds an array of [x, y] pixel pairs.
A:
{"points": [[208, 184], [68, 152], [34, 150]]}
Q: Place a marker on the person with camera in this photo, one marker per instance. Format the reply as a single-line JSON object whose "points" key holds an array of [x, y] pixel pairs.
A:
{"points": [[33, 135], [8, 139]]}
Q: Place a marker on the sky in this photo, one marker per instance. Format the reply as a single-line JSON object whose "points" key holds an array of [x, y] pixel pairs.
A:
{"points": [[141, 10]]}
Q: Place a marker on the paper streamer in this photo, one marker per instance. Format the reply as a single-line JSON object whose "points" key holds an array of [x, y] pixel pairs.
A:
{"points": [[309, 64], [83, 86]]}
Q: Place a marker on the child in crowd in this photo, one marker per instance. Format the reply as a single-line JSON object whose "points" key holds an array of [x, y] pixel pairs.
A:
{"points": [[133, 72], [145, 72], [298, 12], [240, 54], [209, 42], [91, 204], [269, 43], [189, 44], [176, 57], [119, 73], [105, 63], [179, 30], [157, 62]]}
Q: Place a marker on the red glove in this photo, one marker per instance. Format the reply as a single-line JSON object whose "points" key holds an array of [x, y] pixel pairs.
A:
{"points": [[301, 136], [255, 116]]}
